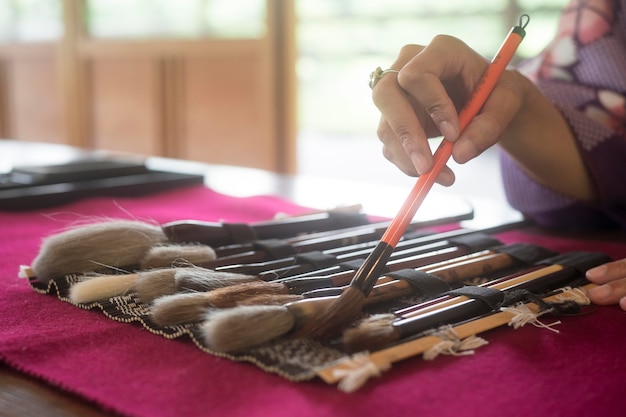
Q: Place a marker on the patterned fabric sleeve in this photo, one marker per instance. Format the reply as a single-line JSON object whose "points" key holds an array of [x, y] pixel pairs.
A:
{"points": [[583, 72]]}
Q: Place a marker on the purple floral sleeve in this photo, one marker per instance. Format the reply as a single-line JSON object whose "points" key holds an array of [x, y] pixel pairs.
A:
{"points": [[583, 72]]}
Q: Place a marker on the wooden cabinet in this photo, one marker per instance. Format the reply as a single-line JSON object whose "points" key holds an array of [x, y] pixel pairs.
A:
{"points": [[227, 101]]}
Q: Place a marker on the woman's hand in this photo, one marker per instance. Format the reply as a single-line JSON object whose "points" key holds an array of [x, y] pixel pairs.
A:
{"points": [[423, 100], [435, 81], [611, 280]]}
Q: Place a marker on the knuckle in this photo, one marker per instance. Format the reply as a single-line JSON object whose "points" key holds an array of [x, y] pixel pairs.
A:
{"points": [[409, 50], [446, 41], [405, 137]]}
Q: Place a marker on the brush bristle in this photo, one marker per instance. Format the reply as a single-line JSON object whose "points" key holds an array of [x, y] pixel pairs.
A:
{"points": [[241, 328], [233, 295], [155, 283], [167, 256], [97, 247], [332, 320], [370, 334], [270, 299], [171, 310], [203, 279], [101, 288]]}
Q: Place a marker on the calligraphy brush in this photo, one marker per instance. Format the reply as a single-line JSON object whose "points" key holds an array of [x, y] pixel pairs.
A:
{"points": [[170, 308], [267, 250], [149, 284], [237, 329], [212, 233], [382, 359], [552, 273], [114, 245], [184, 307], [380, 330], [324, 317], [96, 247], [153, 283]]}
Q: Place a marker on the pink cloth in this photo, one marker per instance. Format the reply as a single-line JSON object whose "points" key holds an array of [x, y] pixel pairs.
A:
{"points": [[123, 368]]}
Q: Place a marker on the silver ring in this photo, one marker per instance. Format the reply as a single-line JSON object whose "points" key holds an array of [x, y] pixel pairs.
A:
{"points": [[377, 74]]}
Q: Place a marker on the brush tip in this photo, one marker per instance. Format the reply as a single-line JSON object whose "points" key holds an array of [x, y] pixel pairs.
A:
{"points": [[240, 328], [175, 309], [155, 283], [95, 247], [197, 278], [102, 287], [332, 320], [370, 334], [170, 255]]}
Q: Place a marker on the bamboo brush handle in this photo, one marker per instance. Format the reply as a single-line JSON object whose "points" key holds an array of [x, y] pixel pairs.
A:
{"points": [[502, 285], [456, 272], [393, 354]]}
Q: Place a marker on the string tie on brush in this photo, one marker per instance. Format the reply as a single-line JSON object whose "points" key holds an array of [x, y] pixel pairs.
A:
{"points": [[360, 369], [523, 315], [566, 304], [451, 344], [576, 295]]}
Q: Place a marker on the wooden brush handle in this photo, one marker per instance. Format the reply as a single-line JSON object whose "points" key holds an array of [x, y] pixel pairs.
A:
{"points": [[212, 233], [453, 273], [385, 357]]}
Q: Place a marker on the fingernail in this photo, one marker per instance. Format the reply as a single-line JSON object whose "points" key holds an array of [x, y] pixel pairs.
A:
{"points": [[600, 292], [448, 130], [596, 273]]}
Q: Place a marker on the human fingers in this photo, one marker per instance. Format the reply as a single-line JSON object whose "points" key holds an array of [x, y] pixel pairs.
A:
{"points": [[441, 78], [486, 128], [611, 278], [402, 126], [395, 153], [613, 292], [607, 272]]}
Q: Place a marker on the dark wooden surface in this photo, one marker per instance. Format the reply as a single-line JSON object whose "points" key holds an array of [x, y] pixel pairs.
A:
{"points": [[24, 396]]}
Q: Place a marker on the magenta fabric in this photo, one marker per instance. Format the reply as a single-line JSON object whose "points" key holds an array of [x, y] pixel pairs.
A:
{"points": [[123, 368]]}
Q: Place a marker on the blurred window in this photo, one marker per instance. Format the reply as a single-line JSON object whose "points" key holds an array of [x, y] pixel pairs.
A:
{"points": [[30, 20], [241, 19], [341, 42]]}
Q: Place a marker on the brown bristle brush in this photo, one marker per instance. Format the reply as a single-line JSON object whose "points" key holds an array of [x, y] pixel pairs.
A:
{"points": [[153, 283], [172, 255], [113, 245], [324, 318], [188, 307], [168, 310], [97, 247], [219, 326]]}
